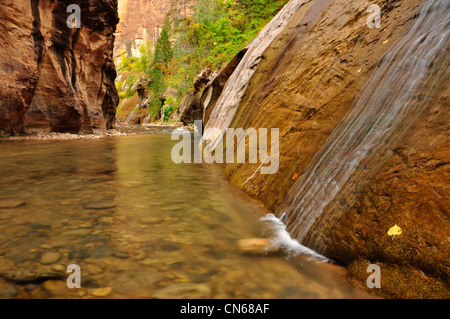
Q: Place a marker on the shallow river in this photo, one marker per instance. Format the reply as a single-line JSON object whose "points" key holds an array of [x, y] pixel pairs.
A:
{"points": [[138, 226]]}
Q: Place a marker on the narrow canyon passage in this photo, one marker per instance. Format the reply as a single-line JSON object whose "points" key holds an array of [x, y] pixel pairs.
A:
{"points": [[350, 98]]}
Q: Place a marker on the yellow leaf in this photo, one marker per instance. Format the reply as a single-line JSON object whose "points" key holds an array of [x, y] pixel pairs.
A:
{"points": [[385, 42], [394, 231]]}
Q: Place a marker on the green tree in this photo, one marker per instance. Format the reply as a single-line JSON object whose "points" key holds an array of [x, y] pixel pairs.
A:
{"points": [[163, 49]]}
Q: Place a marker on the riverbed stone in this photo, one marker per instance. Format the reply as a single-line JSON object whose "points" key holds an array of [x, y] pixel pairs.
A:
{"points": [[94, 270], [55, 288], [22, 256], [29, 275], [81, 253], [30, 287], [184, 291], [256, 246], [10, 203], [170, 247], [98, 205], [102, 292], [139, 256], [175, 207], [8, 291], [139, 284], [120, 254], [150, 220], [76, 232], [59, 268], [95, 239], [50, 258], [103, 252], [39, 225], [59, 242]]}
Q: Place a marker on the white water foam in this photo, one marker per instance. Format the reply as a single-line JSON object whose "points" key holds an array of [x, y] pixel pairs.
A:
{"points": [[282, 240]]}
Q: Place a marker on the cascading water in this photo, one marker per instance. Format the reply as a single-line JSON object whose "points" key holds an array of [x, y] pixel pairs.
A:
{"points": [[397, 93]]}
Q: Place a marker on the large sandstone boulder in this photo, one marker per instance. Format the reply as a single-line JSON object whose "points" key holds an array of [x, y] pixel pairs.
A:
{"points": [[191, 108], [208, 87], [305, 84]]}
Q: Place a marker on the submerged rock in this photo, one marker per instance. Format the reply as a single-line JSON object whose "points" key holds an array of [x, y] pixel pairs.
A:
{"points": [[184, 291], [100, 205], [10, 203], [102, 292], [55, 288], [58, 268], [31, 275], [256, 246], [82, 253], [103, 252], [137, 285], [50, 258], [8, 291], [150, 220]]}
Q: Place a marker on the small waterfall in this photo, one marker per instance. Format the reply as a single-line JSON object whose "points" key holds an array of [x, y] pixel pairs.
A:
{"points": [[234, 90], [397, 93]]}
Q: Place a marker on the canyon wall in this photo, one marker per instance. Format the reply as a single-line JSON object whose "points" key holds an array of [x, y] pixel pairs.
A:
{"points": [[306, 82], [56, 78], [140, 21]]}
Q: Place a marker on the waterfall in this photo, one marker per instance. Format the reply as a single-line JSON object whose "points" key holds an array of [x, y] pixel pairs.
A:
{"points": [[234, 90], [397, 93]]}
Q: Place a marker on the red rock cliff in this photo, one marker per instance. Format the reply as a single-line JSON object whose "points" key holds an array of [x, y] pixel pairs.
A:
{"points": [[53, 77]]}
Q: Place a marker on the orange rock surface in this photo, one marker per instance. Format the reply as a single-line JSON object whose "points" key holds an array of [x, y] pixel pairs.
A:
{"points": [[56, 78], [307, 81]]}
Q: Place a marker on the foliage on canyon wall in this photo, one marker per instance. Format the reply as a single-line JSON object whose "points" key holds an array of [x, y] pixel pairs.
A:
{"points": [[208, 38]]}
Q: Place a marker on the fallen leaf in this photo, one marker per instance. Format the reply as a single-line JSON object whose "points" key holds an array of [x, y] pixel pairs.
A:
{"points": [[385, 42], [395, 230], [295, 176]]}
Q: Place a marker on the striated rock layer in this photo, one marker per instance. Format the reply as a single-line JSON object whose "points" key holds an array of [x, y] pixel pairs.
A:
{"points": [[307, 80], [53, 77]]}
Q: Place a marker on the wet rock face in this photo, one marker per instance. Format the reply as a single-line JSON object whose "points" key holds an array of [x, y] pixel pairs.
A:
{"points": [[191, 109], [409, 189], [308, 80], [54, 77]]}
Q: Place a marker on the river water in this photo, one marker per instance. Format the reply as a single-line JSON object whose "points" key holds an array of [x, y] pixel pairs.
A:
{"points": [[138, 226]]}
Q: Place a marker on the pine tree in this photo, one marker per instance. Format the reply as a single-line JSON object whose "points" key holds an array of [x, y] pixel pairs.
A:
{"points": [[163, 50]]}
